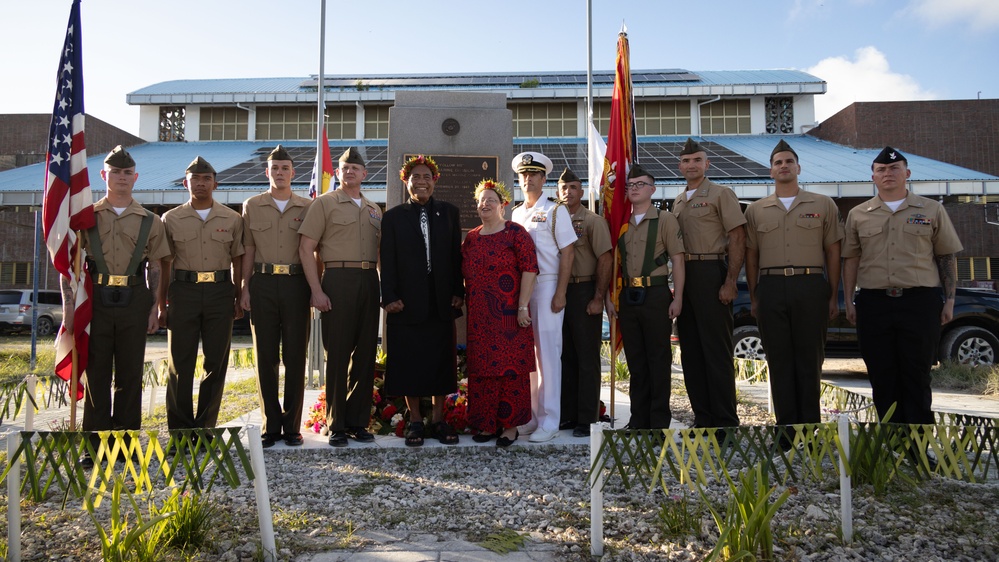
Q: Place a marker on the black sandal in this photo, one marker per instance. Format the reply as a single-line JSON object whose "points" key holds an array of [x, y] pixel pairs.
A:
{"points": [[414, 436], [445, 433]]}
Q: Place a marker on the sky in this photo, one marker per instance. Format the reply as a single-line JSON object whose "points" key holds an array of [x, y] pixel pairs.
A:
{"points": [[866, 50]]}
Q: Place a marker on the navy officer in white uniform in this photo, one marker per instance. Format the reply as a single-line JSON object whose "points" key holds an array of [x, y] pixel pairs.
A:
{"points": [[550, 226]]}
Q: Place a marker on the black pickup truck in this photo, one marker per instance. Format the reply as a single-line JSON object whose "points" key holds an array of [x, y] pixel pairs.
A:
{"points": [[972, 337]]}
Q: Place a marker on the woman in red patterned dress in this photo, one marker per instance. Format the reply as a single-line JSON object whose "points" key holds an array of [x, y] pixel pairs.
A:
{"points": [[499, 265]]}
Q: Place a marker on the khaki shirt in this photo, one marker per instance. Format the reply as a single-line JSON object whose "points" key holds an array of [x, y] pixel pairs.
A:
{"points": [[593, 239], [898, 249], [273, 234], [707, 217], [797, 237], [119, 233], [668, 241], [344, 231], [204, 245]]}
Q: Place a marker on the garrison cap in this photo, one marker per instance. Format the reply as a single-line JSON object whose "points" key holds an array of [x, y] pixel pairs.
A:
{"points": [[637, 171], [119, 158], [887, 156], [352, 156], [200, 166], [279, 153], [531, 162], [691, 147], [568, 176], [782, 147]]}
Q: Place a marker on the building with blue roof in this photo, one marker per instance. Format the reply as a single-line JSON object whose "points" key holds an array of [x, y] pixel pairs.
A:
{"points": [[738, 116]]}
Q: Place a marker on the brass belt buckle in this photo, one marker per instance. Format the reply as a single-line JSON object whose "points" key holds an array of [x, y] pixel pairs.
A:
{"points": [[117, 280], [206, 277], [788, 272], [637, 281], [281, 269], [365, 265]]}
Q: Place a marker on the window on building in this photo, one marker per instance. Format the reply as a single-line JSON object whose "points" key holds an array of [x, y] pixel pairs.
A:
{"points": [[780, 115], [654, 118], [376, 121], [601, 118], [172, 123], [286, 123], [977, 269], [15, 273], [541, 120], [223, 123], [726, 117], [341, 121]]}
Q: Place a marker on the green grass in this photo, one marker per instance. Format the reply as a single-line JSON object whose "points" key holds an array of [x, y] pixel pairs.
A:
{"points": [[965, 378], [15, 358]]}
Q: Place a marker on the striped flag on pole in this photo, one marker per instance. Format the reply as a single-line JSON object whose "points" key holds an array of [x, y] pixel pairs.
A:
{"points": [[67, 206]]}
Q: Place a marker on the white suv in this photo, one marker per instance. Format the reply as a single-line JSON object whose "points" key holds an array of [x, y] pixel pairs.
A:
{"points": [[15, 310]]}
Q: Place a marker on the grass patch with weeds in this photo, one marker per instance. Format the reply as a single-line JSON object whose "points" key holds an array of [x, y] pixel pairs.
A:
{"points": [[503, 541], [950, 375]]}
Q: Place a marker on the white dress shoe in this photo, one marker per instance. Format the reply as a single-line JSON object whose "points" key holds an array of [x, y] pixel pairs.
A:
{"points": [[541, 435]]}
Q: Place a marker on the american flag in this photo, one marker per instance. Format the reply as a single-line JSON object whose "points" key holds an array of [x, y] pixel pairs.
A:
{"points": [[68, 203]]}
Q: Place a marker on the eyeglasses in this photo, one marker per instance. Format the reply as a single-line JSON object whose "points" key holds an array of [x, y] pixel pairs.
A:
{"points": [[638, 184]]}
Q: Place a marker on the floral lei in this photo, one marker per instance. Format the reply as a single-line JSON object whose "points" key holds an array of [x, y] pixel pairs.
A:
{"points": [[415, 161], [497, 186]]}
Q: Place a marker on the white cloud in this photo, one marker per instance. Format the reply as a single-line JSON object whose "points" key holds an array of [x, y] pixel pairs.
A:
{"points": [[866, 78], [980, 15]]}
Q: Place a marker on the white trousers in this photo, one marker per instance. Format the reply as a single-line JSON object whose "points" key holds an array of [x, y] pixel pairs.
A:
{"points": [[546, 382]]}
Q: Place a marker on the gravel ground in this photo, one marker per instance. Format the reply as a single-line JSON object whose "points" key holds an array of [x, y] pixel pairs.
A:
{"points": [[321, 498]]}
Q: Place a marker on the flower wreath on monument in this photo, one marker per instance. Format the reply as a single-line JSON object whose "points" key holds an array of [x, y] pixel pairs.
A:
{"points": [[387, 411]]}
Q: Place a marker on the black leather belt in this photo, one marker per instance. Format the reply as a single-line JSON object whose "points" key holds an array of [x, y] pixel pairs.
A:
{"points": [[351, 264], [278, 268], [703, 257], [791, 271], [896, 292], [202, 276], [581, 279], [116, 280], [646, 281]]}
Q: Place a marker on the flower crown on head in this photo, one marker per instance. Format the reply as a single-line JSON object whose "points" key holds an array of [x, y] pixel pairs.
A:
{"points": [[497, 186], [415, 161]]}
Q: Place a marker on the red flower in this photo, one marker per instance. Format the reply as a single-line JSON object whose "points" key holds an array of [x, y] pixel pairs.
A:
{"points": [[400, 428], [388, 412]]}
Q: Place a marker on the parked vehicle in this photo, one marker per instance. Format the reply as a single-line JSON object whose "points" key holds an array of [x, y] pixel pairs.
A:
{"points": [[16, 314], [972, 337]]}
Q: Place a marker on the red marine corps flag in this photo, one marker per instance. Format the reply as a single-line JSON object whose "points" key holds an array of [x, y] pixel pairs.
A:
{"points": [[619, 157], [67, 207]]}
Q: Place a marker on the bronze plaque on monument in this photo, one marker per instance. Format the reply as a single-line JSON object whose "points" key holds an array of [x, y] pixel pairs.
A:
{"points": [[459, 176]]}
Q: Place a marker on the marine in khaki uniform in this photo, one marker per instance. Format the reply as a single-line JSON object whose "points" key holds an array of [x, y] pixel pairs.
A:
{"points": [[275, 290], [714, 237], [792, 268], [344, 228], [206, 239], [900, 251], [124, 311], [584, 306], [646, 307]]}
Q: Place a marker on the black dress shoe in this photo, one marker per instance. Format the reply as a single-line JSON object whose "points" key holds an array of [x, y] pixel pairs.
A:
{"points": [[267, 440], [567, 425], [581, 430], [338, 438], [483, 437], [506, 441], [360, 434], [294, 440]]}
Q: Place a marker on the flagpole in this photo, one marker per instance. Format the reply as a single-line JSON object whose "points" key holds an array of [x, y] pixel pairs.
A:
{"points": [[316, 357], [74, 380], [589, 96]]}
